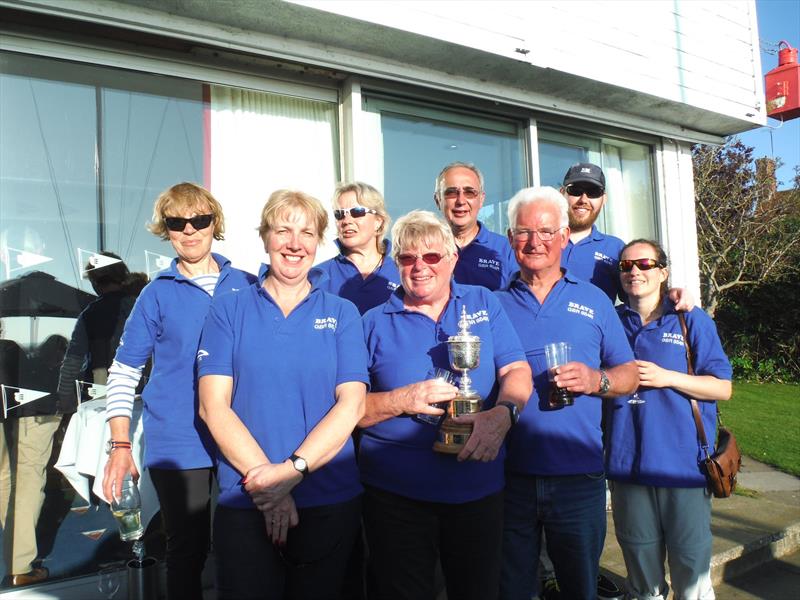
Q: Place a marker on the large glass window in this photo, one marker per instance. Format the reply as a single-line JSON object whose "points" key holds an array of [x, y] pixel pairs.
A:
{"points": [[415, 143], [630, 210], [85, 150]]}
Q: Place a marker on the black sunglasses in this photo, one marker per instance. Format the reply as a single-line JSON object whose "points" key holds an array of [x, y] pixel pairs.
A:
{"points": [[591, 191], [644, 264], [356, 212], [179, 223], [429, 258]]}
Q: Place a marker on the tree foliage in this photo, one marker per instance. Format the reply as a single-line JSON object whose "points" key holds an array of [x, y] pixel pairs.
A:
{"points": [[748, 234]]}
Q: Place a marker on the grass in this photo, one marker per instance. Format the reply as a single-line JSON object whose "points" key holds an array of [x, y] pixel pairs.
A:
{"points": [[766, 420]]}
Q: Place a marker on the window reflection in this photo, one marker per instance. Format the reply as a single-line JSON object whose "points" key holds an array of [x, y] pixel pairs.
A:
{"points": [[417, 146], [84, 151], [630, 211]]}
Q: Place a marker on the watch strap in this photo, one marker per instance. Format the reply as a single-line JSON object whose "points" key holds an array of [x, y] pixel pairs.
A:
{"points": [[605, 384], [300, 464], [513, 411]]}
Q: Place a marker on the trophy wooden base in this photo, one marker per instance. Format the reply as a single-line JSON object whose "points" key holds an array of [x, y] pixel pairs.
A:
{"points": [[451, 437]]}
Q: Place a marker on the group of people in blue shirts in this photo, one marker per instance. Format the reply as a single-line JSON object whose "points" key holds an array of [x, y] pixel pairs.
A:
{"points": [[310, 392]]}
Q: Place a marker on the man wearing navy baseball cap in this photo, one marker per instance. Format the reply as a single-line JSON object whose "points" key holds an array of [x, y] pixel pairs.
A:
{"points": [[590, 254]]}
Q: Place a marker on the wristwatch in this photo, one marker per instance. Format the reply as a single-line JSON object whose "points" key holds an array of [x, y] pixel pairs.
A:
{"points": [[300, 464], [112, 445], [513, 411], [605, 384]]}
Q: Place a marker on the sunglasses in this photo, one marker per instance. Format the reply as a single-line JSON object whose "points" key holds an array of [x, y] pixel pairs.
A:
{"points": [[591, 191], [429, 258], [644, 264], [470, 193], [179, 223], [356, 212]]}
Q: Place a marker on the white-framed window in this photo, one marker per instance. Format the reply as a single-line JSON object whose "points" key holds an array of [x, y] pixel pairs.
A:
{"points": [[86, 148], [410, 142], [630, 211]]}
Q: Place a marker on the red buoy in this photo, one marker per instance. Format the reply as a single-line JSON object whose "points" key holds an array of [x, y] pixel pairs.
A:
{"points": [[782, 87]]}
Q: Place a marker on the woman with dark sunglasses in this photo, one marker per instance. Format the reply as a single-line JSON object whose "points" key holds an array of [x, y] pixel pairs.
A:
{"points": [[658, 490], [420, 505], [165, 325], [363, 272]]}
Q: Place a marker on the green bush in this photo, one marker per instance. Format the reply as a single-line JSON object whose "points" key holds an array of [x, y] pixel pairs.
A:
{"points": [[760, 331]]}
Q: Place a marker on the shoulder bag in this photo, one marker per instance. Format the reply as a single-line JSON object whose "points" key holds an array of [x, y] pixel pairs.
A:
{"points": [[723, 465]]}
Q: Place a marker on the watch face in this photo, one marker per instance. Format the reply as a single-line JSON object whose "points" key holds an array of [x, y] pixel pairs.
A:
{"points": [[300, 464]]}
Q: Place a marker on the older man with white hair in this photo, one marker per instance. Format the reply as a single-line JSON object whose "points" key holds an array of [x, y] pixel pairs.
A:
{"points": [[554, 466]]}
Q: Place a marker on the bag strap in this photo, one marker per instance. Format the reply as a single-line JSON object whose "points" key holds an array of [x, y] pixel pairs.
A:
{"points": [[698, 421]]}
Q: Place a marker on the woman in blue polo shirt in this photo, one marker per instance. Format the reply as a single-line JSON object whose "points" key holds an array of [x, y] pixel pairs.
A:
{"points": [[420, 504], [165, 324], [282, 368], [658, 491], [363, 272]]}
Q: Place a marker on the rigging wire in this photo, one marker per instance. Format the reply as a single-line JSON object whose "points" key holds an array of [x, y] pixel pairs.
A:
{"points": [[149, 173], [54, 183]]}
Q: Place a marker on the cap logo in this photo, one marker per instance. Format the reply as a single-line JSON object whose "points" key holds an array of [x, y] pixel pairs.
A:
{"points": [[586, 170]]}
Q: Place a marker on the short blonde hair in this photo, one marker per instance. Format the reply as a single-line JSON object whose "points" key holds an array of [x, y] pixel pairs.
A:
{"points": [[181, 198], [281, 202], [421, 226], [369, 197]]}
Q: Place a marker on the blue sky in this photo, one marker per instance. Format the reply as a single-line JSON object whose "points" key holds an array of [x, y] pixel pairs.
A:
{"points": [[777, 20]]}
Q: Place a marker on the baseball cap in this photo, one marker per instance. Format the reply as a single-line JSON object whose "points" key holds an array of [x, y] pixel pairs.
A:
{"points": [[585, 173]]}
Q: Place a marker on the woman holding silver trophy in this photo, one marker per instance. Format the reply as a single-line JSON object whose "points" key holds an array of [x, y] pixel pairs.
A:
{"points": [[282, 368], [420, 504]]}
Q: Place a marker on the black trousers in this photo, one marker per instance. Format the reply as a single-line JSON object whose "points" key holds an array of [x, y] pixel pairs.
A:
{"points": [[185, 499], [311, 566], [406, 536]]}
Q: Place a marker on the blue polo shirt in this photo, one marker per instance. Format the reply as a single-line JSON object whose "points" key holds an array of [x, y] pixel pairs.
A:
{"points": [[596, 258], [655, 443], [285, 371], [404, 346], [567, 441], [343, 279], [166, 322], [487, 260]]}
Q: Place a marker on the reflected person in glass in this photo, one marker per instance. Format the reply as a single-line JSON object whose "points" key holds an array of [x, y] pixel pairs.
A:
{"points": [[659, 497], [420, 505], [363, 272], [484, 257], [165, 324], [283, 375]]}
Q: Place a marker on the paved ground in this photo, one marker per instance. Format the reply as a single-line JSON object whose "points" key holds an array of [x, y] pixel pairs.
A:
{"points": [[777, 579], [749, 531]]}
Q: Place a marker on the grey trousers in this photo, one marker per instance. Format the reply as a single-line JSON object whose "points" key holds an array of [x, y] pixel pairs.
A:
{"points": [[657, 523]]}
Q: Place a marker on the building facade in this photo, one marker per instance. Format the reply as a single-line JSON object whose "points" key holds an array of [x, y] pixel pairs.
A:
{"points": [[105, 103]]}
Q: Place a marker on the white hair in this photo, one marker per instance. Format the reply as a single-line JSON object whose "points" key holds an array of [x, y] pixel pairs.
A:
{"points": [[532, 195]]}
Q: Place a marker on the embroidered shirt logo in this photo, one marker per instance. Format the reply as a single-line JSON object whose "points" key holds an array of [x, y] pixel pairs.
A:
{"points": [[201, 354], [391, 285], [480, 316], [580, 309], [603, 258], [325, 323], [489, 263], [672, 338]]}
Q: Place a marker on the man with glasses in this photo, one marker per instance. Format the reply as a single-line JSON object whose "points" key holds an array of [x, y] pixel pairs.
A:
{"points": [[590, 254], [554, 463], [484, 257]]}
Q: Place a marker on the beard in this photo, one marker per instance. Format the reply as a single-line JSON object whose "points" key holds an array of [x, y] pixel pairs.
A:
{"points": [[585, 221]]}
